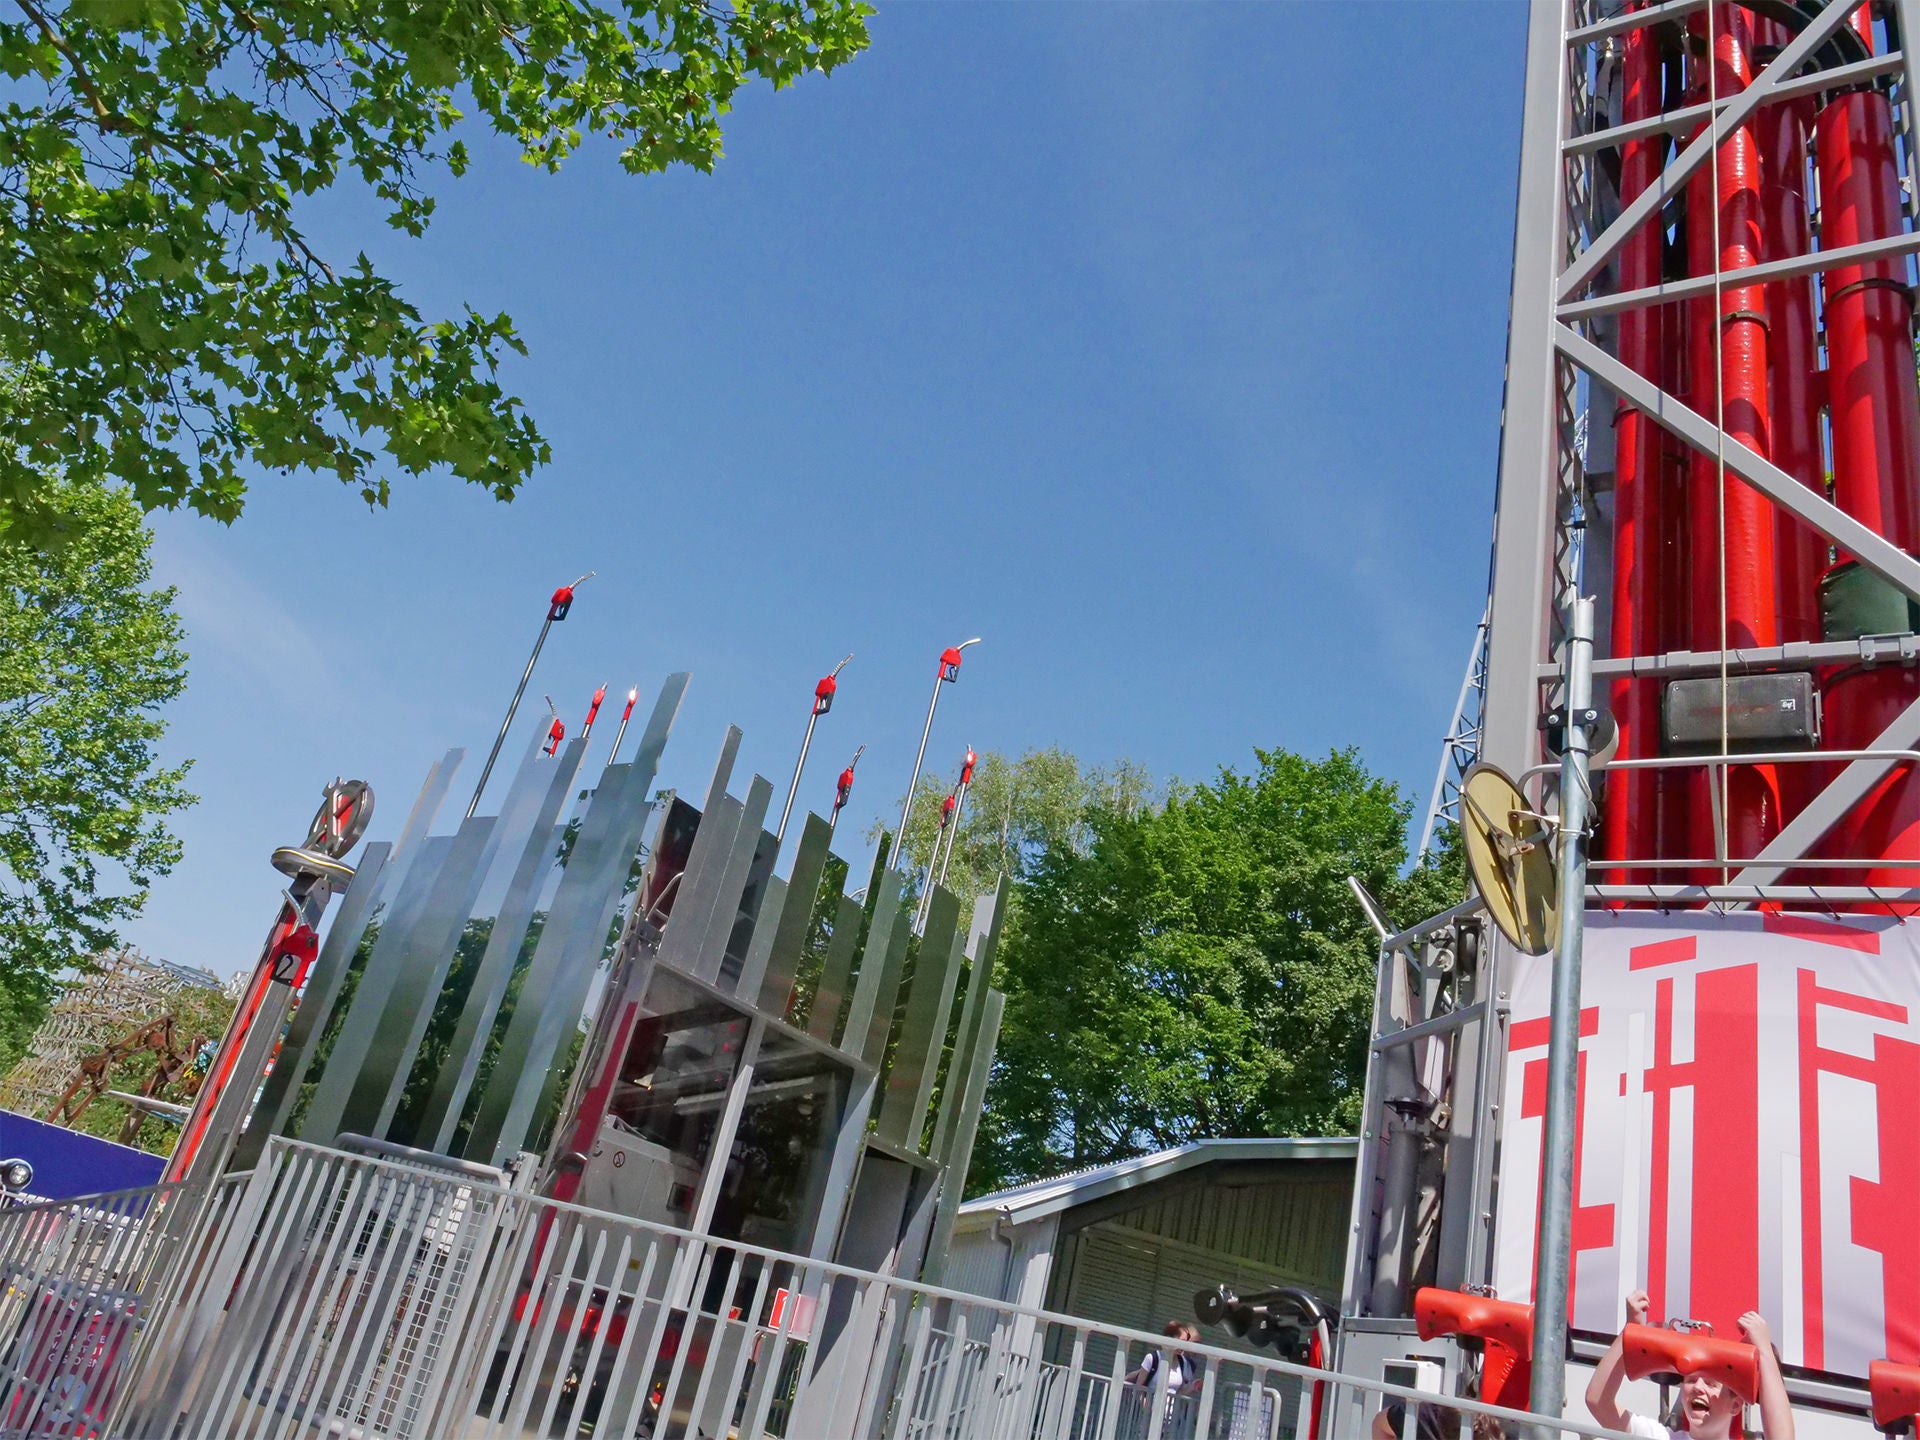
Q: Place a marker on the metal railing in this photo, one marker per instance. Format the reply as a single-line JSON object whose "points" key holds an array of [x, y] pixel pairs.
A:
{"points": [[332, 1294]]}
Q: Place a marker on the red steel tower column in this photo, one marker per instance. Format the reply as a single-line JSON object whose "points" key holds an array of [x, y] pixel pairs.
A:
{"points": [[1793, 362], [1633, 796], [1731, 529], [1876, 443]]}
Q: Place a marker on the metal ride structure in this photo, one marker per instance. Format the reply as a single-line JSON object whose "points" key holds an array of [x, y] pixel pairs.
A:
{"points": [[637, 1008], [1711, 378], [120, 989]]}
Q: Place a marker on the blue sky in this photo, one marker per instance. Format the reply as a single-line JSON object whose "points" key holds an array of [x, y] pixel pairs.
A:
{"points": [[1159, 345]]}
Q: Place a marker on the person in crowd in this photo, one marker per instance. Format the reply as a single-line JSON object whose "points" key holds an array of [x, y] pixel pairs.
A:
{"points": [[1177, 1371], [1708, 1409], [1436, 1422]]}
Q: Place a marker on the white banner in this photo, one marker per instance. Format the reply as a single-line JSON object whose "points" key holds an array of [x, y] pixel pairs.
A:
{"points": [[1749, 1136]]}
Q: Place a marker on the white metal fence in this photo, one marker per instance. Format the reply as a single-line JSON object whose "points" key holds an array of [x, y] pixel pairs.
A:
{"points": [[348, 1296]]}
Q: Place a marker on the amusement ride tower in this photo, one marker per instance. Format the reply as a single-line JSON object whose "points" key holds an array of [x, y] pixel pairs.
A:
{"points": [[1710, 397]]}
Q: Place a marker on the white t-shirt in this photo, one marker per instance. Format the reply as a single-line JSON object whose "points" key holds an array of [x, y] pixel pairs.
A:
{"points": [[1178, 1374], [1652, 1429]]}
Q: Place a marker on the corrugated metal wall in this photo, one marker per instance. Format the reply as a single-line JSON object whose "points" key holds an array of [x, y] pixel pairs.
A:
{"points": [[1296, 1224], [1138, 1261]]}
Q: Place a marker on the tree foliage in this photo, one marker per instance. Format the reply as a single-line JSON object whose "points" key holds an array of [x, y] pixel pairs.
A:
{"points": [[88, 655], [168, 320], [1199, 970], [1016, 810]]}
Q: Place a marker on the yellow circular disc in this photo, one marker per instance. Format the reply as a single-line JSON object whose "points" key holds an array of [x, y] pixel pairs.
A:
{"points": [[1509, 859]]}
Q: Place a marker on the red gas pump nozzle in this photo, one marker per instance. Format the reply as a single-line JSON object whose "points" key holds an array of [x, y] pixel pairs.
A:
{"points": [[1505, 1327], [1656, 1350], [1896, 1392]]}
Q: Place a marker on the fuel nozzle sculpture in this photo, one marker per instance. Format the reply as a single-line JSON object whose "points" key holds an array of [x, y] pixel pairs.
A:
{"points": [[1896, 1395], [1688, 1347], [1287, 1319], [1503, 1327], [843, 788]]}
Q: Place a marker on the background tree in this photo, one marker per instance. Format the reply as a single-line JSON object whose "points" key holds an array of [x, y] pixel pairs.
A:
{"points": [[1199, 970], [168, 323], [1017, 810], [88, 655]]}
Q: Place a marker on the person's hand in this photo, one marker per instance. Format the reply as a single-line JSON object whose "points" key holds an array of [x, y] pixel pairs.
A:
{"points": [[1753, 1329], [1638, 1303]]}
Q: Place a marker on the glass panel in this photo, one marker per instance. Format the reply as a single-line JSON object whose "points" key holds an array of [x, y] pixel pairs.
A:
{"points": [[770, 1194], [666, 1106]]}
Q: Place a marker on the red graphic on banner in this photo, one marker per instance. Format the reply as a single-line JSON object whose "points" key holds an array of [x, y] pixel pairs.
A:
{"points": [[1724, 1254], [1663, 952], [1592, 1224], [1825, 932], [1886, 1212]]}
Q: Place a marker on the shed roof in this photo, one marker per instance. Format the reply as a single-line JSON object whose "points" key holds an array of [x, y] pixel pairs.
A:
{"points": [[1040, 1198]]}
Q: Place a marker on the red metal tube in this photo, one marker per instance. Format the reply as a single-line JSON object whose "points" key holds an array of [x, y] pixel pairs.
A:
{"points": [[1674, 815], [1875, 417], [1639, 545], [1731, 528], [1793, 364]]}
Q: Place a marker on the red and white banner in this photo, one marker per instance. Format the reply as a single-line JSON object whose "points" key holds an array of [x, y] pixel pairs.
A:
{"points": [[1749, 1129]]}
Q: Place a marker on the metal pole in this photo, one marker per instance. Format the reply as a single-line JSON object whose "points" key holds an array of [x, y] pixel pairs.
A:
{"points": [[557, 609], [940, 677], [959, 808], [1548, 1393], [953, 830], [947, 811], [822, 702], [593, 711], [625, 716]]}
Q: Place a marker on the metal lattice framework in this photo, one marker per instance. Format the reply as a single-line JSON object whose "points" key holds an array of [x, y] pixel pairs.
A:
{"points": [[123, 990], [1660, 138]]}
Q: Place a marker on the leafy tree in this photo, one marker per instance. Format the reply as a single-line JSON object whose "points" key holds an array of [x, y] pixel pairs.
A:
{"points": [[169, 323], [88, 655], [1017, 810], [1199, 970]]}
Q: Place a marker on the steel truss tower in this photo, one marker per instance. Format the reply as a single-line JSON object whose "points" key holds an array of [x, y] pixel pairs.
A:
{"points": [[1624, 126], [1711, 356]]}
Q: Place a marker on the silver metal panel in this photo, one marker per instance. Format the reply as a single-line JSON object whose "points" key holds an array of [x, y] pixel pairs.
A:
{"points": [[730, 894], [683, 946], [986, 942], [766, 925], [723, 768], [823, 1021], [953, 1183], [884, 1003], [576, 931], [1529, 465], [536, 857], [355, 1040], [350, 1048], [282, 1089], [420, 969], [795, 918], [570, 943], [887, 917], [923, 1031]]}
